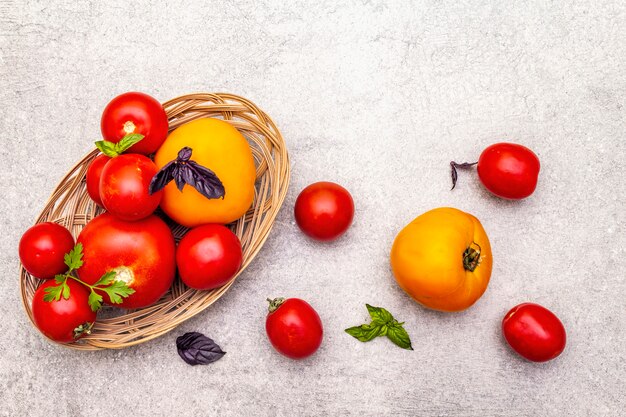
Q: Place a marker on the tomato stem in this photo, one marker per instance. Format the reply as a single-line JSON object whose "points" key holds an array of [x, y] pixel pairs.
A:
{"points": [[471, 257], [275, 303], [82, 329]]}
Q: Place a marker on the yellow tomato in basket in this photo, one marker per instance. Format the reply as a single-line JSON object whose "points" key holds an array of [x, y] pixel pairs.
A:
{"points": [[218, 146], [443, 259]]}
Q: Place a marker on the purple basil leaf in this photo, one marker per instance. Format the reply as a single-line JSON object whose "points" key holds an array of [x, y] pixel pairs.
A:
{"points": [[204, 180], [162, 178], [197, 349], [178, 176], [184, 154]]}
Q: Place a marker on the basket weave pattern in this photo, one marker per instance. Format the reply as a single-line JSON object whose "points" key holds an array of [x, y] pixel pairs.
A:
{"points": [[70, 206]]}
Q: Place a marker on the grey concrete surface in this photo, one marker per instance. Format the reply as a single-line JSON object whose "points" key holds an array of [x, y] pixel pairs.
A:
{"points": [[378, 96]]}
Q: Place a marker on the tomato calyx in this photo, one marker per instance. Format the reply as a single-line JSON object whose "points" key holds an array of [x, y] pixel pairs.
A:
{"points": [[454, 166], [471, 257], [83, 329], [275, 303]]}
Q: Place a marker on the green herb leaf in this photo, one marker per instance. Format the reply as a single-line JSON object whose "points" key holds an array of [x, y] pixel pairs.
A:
{"points": [[53, 293], [59, 279], [399, 336], [95, 301], [128, 141], [364, 332], [106, 279], [107, 148], [115, 149], [383, 324], [117, 291], [74, 259], [379, 314], [65, 290]]}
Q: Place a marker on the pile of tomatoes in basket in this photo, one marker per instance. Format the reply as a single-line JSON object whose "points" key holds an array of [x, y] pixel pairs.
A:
{"points": [[127, 256]]}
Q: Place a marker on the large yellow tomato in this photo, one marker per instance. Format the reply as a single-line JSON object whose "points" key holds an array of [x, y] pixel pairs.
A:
{"points": [[218, 146], [443, 259]]}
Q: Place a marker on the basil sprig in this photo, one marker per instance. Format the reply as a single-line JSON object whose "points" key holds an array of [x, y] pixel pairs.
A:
{"points": [[383, 324]]}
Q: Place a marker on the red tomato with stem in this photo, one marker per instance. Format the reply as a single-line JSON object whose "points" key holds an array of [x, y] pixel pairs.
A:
{"points": [[94, 172], [135, 112], [142, 253], [43, 247], [508, 170], [64, 320], [534, 332], [124, 184], [208, 256], [324, 210], [293, 327]]}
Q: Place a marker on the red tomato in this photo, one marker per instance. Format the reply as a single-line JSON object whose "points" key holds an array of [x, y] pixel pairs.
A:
{"points": [[124, 183], [509, 170], [534, 332], [141, 252], [94, 172], [64, 320], [324, 210], [294, 327], [42, 249], [208, 256], [135, 113]]}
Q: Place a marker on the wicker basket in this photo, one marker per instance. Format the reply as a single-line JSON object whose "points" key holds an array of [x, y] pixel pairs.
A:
{"points": [[71, 206]]}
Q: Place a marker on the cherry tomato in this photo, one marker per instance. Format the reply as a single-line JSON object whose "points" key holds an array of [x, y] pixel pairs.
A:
{"points": [[135, 113], [42, 249], [94, 172], [509, 170], [534, 332], [294, 327], [142, 253], [124, 183], [324, 210], [208, 256], [64, 320]]}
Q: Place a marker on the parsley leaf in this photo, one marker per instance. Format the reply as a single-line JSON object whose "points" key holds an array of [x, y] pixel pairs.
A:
{"points": [[117, 291], [74, 259]]}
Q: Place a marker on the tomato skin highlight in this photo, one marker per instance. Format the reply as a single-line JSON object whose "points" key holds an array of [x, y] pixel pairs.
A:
{"points": [[208, 256], [58, 319], [295, 329], [142, 252], [42, 249], [324, 210], [124, 184], [509, 170], [534, 332], [135, 112], [94, 172]]}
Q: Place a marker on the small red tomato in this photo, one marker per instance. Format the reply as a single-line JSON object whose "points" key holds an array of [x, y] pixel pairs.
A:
{"points": [[141, 253], [534, 332], [135, 113], [324, 210], [42, 249], [124, 186], [64, 320], [294, 327], [94, 172], [208, 256], [509, 170]]}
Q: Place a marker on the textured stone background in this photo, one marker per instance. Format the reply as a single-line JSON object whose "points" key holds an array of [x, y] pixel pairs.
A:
{"points": [[379, 96]]}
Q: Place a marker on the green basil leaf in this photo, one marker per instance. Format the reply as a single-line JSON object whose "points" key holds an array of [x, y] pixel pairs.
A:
{"points": [[107, 148], [379, 314], [364, 332], [399, 336], [127, 141]]}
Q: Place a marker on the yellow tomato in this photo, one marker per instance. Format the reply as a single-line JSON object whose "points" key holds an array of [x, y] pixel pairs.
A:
{"points": [[443, 259], [220, 147]]}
